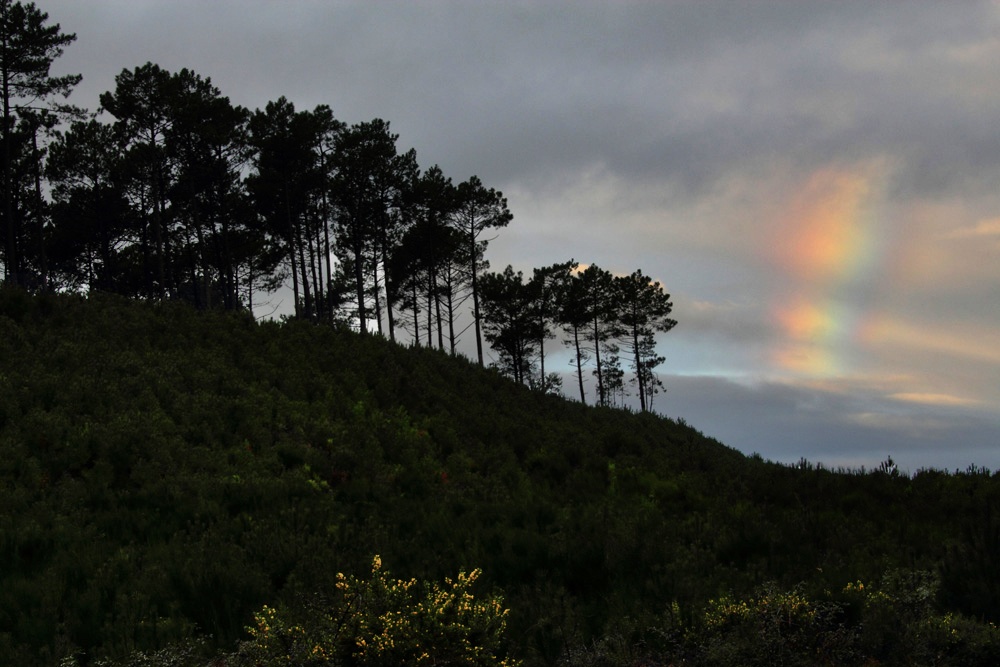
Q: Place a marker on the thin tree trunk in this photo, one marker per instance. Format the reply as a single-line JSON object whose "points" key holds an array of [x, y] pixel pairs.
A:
{"points": [[291, 253], [388, 299], [329, 261], [316, 268], [206, 291], [440, 324], [451, 311], [159, 234], [306, 293], [10, 263], [359, 275], [40, 219], [475, 296], [638, 368], [541, 351], [416, 314], [376, 290], [430, 308], [597, 358]]}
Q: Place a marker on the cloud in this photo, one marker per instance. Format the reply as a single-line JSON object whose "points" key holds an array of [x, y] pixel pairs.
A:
{"points": [[934, 399], [838, 425], [941, 339], [984, 229]]}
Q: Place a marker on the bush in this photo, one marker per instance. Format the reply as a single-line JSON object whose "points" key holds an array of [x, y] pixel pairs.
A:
{"points": [[383, 621]]}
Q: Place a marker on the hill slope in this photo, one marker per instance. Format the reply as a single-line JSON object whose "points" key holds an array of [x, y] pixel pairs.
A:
{"points": [[166, 472]]}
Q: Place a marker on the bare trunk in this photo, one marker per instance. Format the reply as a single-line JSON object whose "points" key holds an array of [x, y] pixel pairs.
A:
{"points": [[475, 296], [597, 358], [306, 293], [638, 368], [10, 264], [359, 274], [388, 299]]}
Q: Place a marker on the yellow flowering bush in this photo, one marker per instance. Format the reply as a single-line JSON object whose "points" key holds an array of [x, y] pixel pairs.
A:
{"points": [[773, 626], [385, 621], [780, 609]]}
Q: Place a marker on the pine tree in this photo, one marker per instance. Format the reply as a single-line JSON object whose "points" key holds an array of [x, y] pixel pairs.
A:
{"points": [[28, 47], [509, 323], [643, 310], [479, 209]]}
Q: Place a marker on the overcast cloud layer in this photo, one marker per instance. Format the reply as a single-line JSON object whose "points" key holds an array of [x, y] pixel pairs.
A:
{"points": [[816, 184]]}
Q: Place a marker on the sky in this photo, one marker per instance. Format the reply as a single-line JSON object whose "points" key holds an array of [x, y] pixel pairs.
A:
{"points": [[816, 184]]}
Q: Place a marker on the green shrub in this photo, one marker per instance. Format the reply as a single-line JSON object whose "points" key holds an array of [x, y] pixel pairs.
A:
{"points": [[383, 621]]}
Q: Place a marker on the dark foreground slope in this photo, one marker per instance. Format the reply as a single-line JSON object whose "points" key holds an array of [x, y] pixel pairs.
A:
{"points": [[166, 472]]}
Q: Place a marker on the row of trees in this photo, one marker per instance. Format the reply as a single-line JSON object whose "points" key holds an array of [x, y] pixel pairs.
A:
{"points": [[186, 196], [606, 319]]}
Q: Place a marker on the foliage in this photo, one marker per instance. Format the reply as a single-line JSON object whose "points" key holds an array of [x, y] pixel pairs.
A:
{"points": [[892, 623], [383, 621], [509, 323]]}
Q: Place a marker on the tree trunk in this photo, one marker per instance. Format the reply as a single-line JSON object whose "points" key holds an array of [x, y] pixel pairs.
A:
{"points": [[440, 323], [450, 305], [306, 293], [597, 359], [39, 218], [359, 274], [291, 252], [416, 314], [10, 264], [475, 298], [638, 368], [388, 300], [316, 269], [579, 364], [430, 307], [375, 291]]}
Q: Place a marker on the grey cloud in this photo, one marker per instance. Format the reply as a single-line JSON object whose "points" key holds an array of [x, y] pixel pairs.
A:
{"points": [[786, 423], [518, 91]]}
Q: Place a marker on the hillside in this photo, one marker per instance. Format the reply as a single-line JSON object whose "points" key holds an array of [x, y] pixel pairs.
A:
{"points": [[166, 472]]}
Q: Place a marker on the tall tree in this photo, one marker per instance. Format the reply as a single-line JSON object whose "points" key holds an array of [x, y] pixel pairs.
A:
{"points": [[371, 180], [598, 302], [90, 212], [431, 256], [574, 316], [550, 285], [643, 310], [327, 129], [141, 104], [35, 124], [287, 181], [28, 47], [207, 143], [479, 209], [510, 325]]}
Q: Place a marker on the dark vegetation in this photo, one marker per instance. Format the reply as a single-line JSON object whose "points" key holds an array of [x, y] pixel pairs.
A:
{"points": [[166, 472]]}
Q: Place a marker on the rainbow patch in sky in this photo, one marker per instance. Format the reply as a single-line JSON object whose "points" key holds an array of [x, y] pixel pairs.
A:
{"points": [[829, 246]]}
